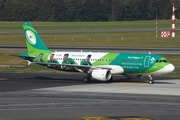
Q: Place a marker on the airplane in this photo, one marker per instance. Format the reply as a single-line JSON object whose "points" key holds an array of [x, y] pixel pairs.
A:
{"points": [[97, 65]]}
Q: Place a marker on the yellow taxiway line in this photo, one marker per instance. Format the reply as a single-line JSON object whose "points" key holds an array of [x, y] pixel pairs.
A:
{"points": [[3, 78]]}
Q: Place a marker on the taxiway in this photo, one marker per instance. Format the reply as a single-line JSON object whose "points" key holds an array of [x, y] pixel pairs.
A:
{"points": [[65, 97]]}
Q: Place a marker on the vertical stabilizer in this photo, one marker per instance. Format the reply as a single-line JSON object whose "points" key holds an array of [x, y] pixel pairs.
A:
{"points": [[33, 40]]}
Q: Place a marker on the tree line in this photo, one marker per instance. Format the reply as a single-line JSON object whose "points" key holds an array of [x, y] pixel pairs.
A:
{"points": [[86, 10]]}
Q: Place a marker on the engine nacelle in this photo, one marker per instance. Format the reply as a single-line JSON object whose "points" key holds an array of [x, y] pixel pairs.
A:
{"points": [[101, 74]]}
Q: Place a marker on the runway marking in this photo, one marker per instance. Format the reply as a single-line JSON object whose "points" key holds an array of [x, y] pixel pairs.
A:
{"points": [[111, 118], [3, 78], [94, 118]]}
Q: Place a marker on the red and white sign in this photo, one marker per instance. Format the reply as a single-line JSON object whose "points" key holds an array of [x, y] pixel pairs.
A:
{"points": [[165, 34]]}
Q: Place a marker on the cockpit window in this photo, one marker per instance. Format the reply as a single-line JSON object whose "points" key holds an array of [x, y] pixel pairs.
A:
{"points": [[159, 61], [165, 61]]}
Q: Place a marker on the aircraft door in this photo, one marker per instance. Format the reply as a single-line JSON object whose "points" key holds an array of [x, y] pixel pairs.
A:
{"points": [[146, 61]]}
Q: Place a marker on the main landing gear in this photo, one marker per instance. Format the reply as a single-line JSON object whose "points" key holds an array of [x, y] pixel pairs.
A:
{"points": [[87, 79], [151, 81]]}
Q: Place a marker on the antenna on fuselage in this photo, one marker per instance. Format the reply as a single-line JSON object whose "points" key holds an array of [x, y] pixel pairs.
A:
{"points": [[81, 51], [149, 52]]}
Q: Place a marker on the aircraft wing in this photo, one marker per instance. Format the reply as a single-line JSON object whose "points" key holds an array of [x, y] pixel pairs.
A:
{"points": [[80, 68]]}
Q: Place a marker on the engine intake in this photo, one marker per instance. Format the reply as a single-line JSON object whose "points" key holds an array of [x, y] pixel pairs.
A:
{"points": [[102, 74]]}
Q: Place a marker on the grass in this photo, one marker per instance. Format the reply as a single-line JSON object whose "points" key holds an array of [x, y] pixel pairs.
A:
{"points": [[135, 39], [28, 69], [132, 39], [9, 26]]}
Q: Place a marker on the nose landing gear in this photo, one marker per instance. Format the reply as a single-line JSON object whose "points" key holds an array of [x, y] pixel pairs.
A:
{"points": [[151, 81]]}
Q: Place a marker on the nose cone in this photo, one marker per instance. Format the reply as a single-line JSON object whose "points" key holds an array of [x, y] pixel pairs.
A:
{"points": [[169, 68], [166, 69]]}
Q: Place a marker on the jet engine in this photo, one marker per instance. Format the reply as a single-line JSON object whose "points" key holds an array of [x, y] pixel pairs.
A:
{"points": [[101, 74]]}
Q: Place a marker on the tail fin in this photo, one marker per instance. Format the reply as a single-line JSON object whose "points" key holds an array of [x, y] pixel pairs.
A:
{"points": [[33, 40]]}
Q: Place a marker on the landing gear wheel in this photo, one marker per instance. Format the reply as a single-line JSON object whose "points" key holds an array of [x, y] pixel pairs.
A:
{"points": [[151, 81], [86, 79]]}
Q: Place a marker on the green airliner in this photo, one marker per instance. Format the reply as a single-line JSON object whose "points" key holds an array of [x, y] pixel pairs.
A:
{"points": [[98, 65]]}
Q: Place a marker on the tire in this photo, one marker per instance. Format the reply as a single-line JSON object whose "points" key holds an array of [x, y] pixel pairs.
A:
{"points": [[86, 79], [151, 82]]}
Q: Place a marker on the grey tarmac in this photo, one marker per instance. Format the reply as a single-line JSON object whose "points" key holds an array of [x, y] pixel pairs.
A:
{"points": [[26, 96]]}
